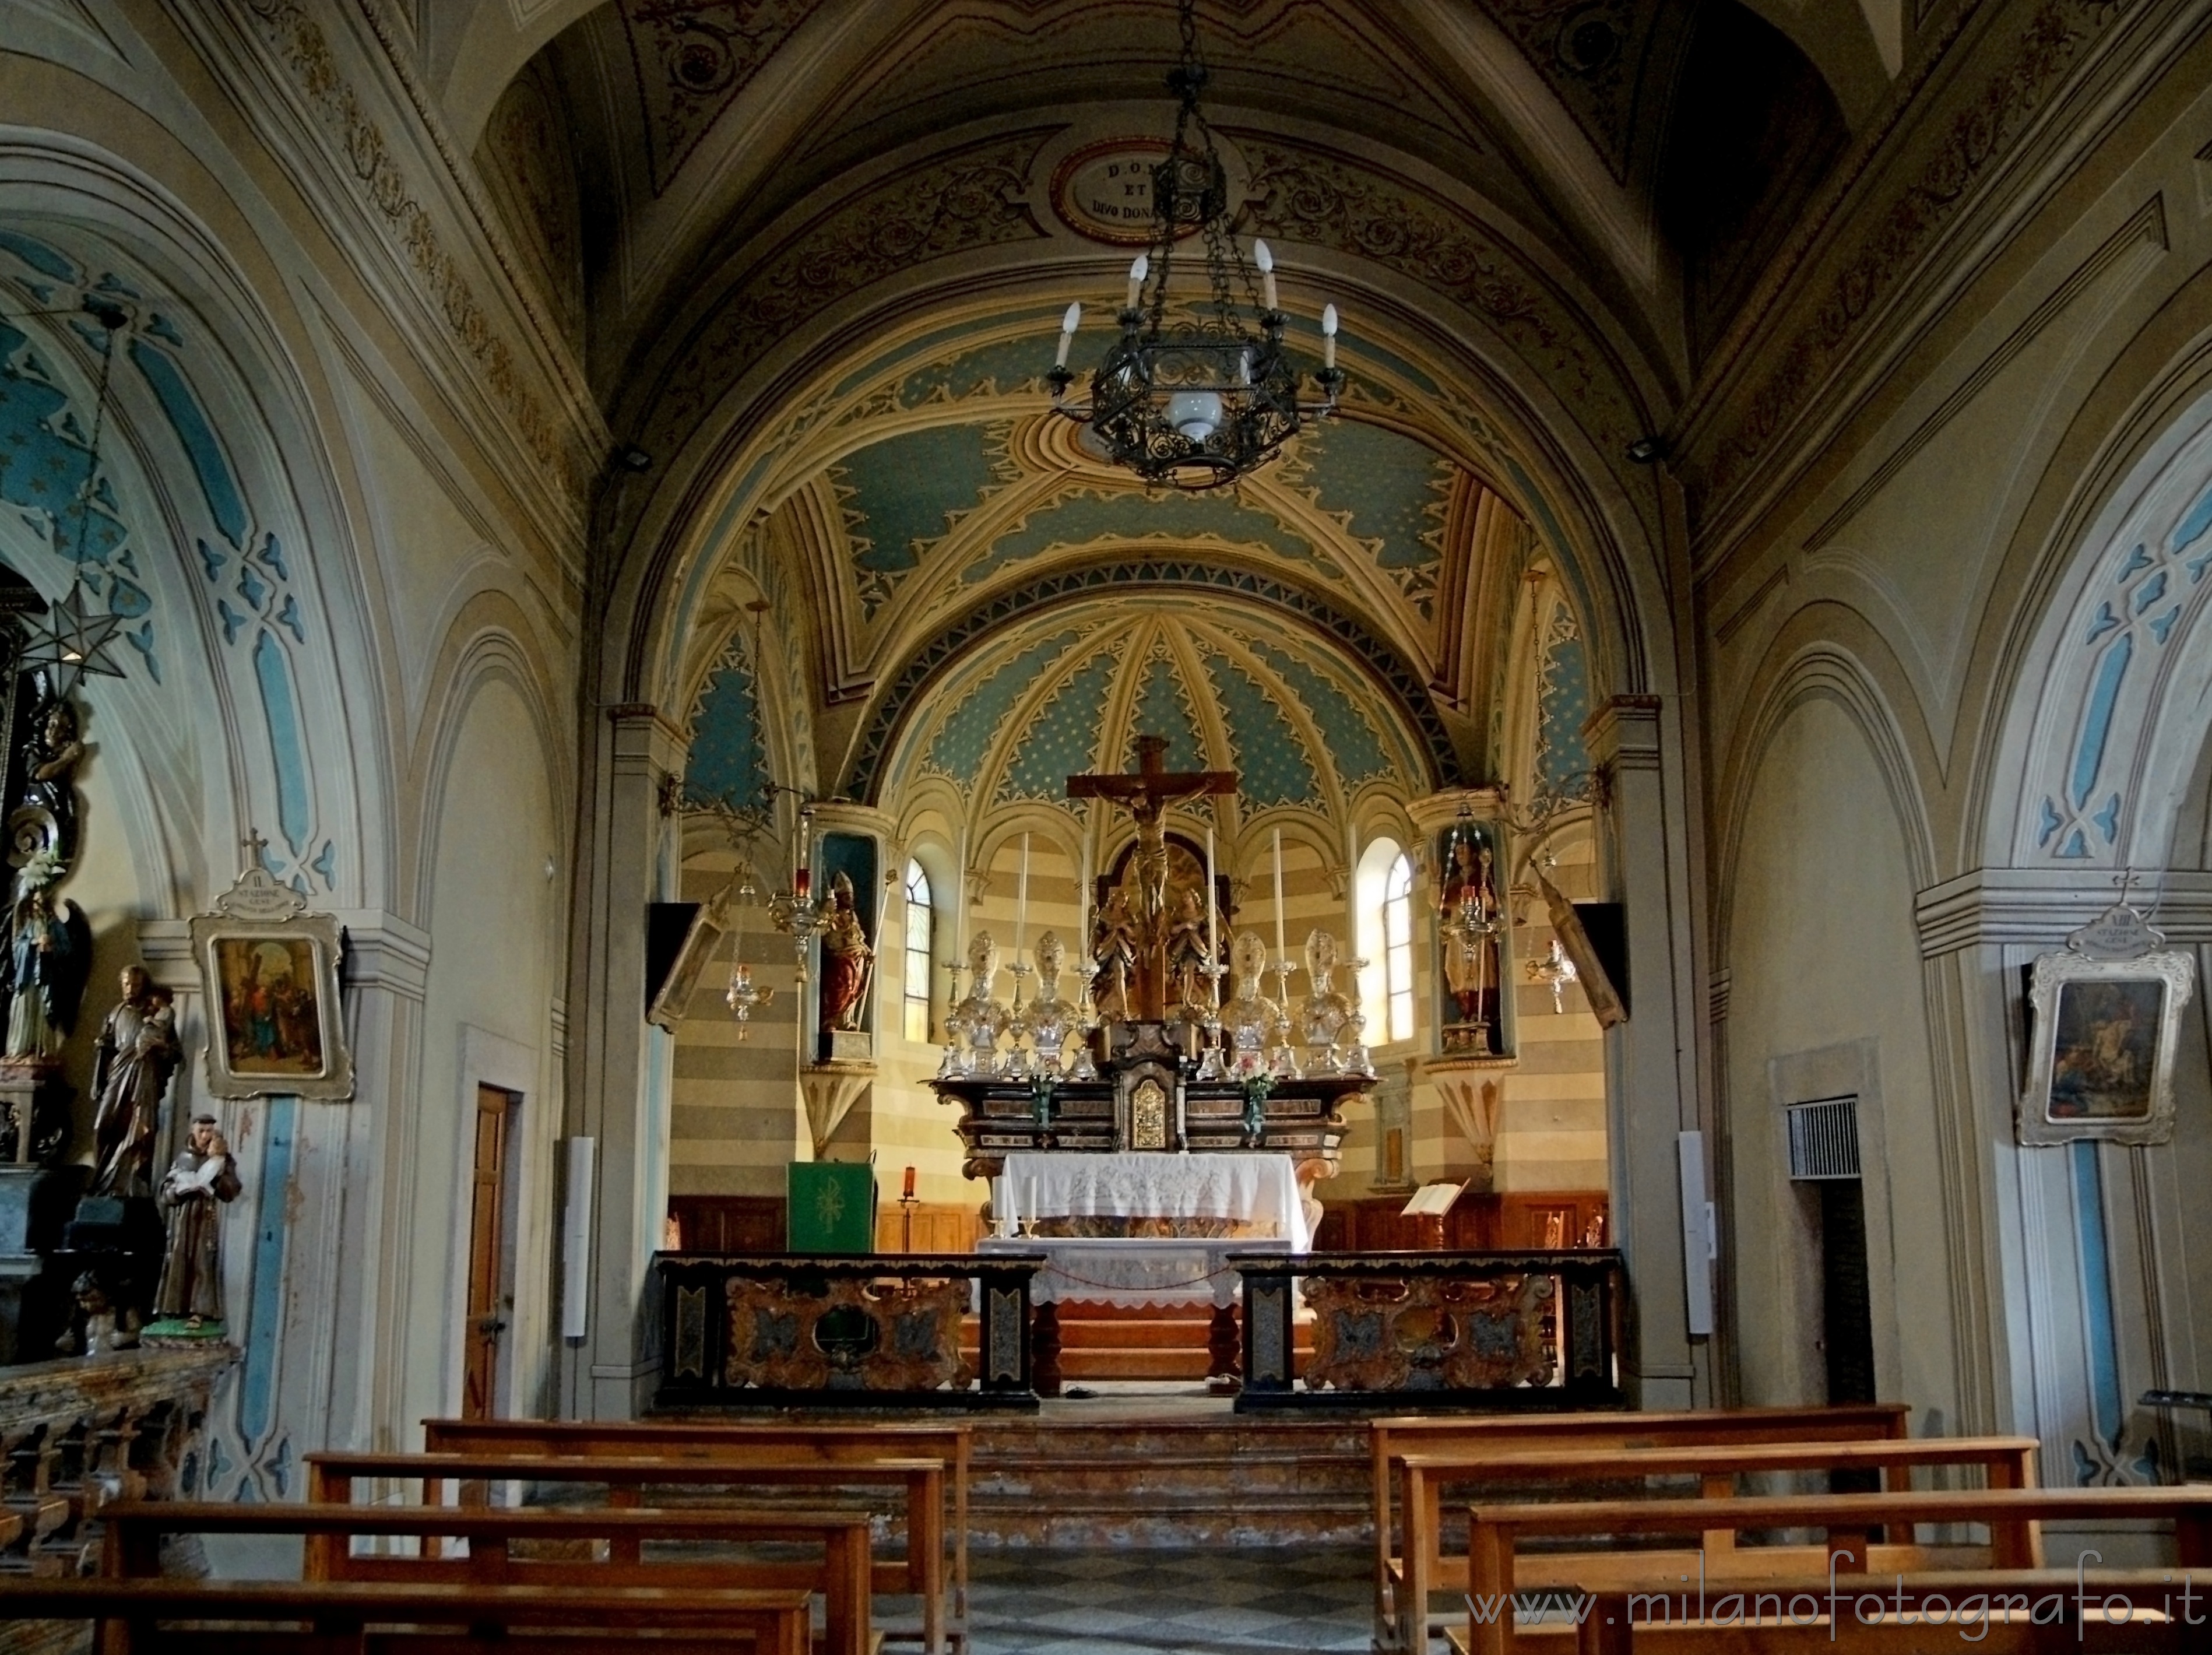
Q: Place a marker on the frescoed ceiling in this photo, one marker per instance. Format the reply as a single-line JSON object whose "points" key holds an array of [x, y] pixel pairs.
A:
{"points": [[934, 492], [1230, 687]]}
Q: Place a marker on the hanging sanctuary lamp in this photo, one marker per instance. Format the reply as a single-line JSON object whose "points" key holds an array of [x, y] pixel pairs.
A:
{"points": [[1196, 405]]}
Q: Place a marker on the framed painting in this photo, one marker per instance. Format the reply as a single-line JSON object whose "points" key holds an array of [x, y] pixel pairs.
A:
{"points": [[2102, 1034], [269, 971]]}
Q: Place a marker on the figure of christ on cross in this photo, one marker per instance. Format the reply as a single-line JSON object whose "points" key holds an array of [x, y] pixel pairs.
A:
{"points": [[1146, 795]]}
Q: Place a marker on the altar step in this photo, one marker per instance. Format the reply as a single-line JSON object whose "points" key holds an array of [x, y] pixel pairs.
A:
{"points": [[1142, 1477], [1106, 1342]]}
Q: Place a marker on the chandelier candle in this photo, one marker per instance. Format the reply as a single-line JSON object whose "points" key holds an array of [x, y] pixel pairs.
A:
{"points": [[1197, 396], [1068, 324], [1328, 338]]}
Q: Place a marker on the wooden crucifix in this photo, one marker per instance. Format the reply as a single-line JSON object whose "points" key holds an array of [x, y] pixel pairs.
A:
{"points": [[1145, 794]]}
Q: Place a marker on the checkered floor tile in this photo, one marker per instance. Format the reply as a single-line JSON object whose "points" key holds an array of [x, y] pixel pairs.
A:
{"points": [[1161, 1602]]}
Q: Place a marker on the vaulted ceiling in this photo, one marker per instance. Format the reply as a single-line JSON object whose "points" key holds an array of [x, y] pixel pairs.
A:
{"points": [[813, 253]]}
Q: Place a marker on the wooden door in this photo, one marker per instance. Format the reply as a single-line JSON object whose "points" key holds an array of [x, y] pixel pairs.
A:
{"points": [[487, 1310]]}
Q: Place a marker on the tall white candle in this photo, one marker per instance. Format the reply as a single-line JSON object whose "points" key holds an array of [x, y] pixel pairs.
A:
{"points": [[1083, 891], [1351, 867], [960, 901], [1213, 940], [1021, 898], [1282, 953]]}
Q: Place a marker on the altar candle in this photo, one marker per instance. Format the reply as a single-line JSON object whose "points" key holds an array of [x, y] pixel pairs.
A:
{"points": [[960, 901], [1082, 892], [1351, 862], [1282, 953], [1212, 906], [908, 1192], [1021, 898]]}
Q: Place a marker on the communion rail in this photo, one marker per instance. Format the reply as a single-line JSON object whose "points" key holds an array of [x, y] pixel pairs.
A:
{"points": [[78, 1434], [1501, 1331]]}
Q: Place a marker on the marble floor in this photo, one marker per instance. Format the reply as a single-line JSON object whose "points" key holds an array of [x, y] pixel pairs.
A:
{"points": [[1168, 1602]]}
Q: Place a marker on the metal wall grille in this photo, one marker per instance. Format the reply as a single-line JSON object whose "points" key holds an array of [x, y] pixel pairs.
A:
{"points": [[1824, 1139]]}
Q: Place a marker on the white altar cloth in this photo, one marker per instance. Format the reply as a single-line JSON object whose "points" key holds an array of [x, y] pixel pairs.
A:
{"points": [[1261, 1189], [1133, 1271]]}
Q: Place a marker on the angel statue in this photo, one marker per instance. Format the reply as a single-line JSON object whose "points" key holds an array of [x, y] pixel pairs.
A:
{"points": [[49, 953]]}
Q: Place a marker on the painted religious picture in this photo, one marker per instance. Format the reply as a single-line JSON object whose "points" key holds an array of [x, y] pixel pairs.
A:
{"points": [[271, 1011], [2101, 1046], [269, 972]]}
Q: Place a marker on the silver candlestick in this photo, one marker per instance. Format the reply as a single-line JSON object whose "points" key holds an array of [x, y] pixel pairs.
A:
{"points": [[1282, 1061]]}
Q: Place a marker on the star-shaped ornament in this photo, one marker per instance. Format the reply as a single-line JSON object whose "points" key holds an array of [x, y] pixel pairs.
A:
{"points": [[71, 643]]}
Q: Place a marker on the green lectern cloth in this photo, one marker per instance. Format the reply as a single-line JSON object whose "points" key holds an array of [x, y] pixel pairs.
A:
{"points": [[829, 1207]]}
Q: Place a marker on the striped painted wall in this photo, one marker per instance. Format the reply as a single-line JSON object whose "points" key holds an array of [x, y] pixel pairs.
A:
{"points": [[734, 1115], [737, 1118]]}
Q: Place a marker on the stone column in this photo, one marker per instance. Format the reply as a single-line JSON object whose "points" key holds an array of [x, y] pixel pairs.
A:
{"points": [[1652, 1079], [620, 1098]]}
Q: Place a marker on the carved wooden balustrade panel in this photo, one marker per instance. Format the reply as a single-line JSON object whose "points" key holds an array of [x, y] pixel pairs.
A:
{"points": [[1429, 1333], [1533, 1331], [891, 1334], [789, 1330]]}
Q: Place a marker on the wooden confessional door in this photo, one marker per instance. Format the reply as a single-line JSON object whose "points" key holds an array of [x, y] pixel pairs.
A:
{"points": [[487, 1207]]}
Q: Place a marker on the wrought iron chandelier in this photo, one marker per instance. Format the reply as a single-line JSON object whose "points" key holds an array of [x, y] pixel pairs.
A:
{"points": [[1196, 404]]}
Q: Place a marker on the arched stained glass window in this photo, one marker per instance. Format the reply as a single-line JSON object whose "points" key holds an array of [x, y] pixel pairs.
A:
{"points": [[921, 917]]}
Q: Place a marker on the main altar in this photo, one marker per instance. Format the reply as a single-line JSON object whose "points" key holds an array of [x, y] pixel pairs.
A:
{"points": [[1138, 1134], [1163, 1058]]}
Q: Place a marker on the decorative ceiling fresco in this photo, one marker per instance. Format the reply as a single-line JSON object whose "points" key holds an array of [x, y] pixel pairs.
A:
{"points": [[1228, 684], [691, 59], [931, 494], [921, 487]]}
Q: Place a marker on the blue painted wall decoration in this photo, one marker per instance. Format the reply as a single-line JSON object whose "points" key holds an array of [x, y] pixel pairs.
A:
{"points": [[1048, 700], [248, 571], [2155, 581], [907, 491], [965, 735], [1562, 706], [1392, 491], [1063, 739], [729, 762], [1086, 517]]}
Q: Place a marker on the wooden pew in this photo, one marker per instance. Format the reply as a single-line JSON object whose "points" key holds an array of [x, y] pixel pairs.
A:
{"points": [[498, 1537], [842, 1443], [1421, 1569], [139, 1616], [333, 1477], [2013, 1517], [1390, 1439]]}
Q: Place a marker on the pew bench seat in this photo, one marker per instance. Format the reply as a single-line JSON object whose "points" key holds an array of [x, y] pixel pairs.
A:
{"points": [[1423, 1567], [500, 1542], [187, 1617]]}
